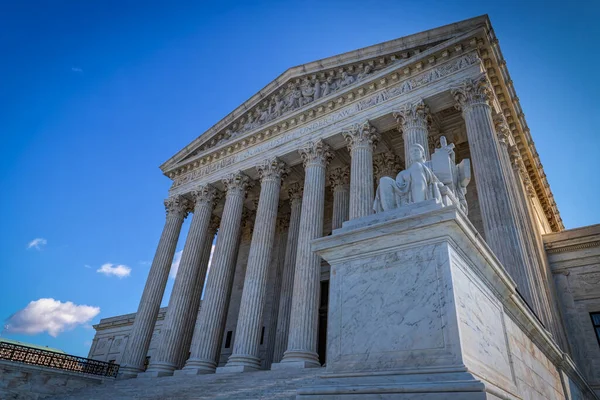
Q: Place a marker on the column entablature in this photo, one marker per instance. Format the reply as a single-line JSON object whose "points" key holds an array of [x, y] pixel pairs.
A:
{"points": [[379, 100]]}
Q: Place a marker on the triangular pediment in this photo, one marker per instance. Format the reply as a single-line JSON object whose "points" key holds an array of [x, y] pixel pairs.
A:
{"points": [[315, 81]]}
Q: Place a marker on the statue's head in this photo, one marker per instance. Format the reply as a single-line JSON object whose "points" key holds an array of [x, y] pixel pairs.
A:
{"points": [[417, 153]]}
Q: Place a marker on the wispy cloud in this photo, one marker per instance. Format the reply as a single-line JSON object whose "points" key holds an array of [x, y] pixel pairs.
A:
{"points": [[145, 263], [109, 269], [37, 243], [87, 266], [49, 315], [175, 264], [77, 69]]}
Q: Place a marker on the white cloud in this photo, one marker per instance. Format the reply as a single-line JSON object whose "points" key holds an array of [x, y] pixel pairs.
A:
{"points": [[177, 260], [49, 315], [175, 264], [37, 243], [120, 270], [87, 266], [77, 69]]}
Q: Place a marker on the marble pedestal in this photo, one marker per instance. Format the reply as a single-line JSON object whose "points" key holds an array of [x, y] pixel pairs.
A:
{"points": [[419, 307]]}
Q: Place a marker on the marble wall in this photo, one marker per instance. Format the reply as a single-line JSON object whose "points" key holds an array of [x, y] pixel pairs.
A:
{"points": [[574, 257]]}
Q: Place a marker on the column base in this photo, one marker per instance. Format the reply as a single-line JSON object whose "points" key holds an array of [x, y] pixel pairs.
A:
{"points": [[240, 363], [197, 366], [294, 359], [232, 369], [126, 372], [157, 370]]}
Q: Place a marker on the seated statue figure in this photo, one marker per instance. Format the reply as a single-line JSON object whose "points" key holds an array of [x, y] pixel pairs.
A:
{"points": [[414, 184]]}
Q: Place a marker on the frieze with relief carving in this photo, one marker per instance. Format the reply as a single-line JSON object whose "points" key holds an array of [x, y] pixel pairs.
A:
{"points": [[385, 94]]}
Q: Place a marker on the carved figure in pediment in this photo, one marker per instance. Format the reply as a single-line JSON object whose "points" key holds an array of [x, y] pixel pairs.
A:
{"points": [[277, 105], [363, 74], [307, 92], [264, 116], [317, 88], [328, 86], [294, 98], [226, 136], [346, 80]]}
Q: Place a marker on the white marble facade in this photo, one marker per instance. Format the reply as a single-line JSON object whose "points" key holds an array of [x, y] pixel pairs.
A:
{"points": [[302, 160]]}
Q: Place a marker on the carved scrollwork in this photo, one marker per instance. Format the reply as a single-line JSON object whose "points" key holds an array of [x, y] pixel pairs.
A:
{"points": [[236, 184], [295, 192], [315, 153], [339, 177], [360, 135], [413, 115], [502, 129], [272, 169], [386, 164], [204, 195], [177, 206], [473, 91]]}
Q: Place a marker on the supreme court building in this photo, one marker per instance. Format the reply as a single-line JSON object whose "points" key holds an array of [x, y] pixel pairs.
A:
{"points": [[292, 184]]}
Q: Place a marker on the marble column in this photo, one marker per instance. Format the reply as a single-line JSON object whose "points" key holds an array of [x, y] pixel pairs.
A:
{"points": [[361, 139], [245, 356], [295, 192], [414, 120], [165, 359], [302, 340], [143, 326], [500, 222], [277, 263], [194, 309], [209, 332], [339, 179]]}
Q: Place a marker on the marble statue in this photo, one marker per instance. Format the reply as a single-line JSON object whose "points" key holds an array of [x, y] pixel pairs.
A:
{"points": [[412, 185]]}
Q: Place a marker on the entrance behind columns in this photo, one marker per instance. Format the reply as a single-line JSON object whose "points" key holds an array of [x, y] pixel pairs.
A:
{"points": [[323, 307]]}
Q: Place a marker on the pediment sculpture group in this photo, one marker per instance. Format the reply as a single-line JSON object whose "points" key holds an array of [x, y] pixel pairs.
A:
{"points": [[296, 96], [439, 178]]}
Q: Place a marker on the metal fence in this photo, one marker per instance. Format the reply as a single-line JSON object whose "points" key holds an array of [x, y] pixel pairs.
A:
{"points": [[51, 359]]}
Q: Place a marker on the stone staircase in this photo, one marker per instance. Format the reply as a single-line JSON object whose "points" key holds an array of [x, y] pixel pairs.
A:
{"points": [[267, 385]]}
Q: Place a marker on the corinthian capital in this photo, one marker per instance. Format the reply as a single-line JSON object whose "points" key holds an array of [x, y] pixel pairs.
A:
{"points": [[339, 177], [177, 206], [316, 153], [272, 169], [386, 164], [502, 129], [413, 115], [215, 222], [236, 184], [204, 195], [360, 135], [295, 192], [516, 160], [473, 91]]}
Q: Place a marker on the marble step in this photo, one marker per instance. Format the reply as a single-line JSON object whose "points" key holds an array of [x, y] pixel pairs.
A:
{"points": [[270, 385]]}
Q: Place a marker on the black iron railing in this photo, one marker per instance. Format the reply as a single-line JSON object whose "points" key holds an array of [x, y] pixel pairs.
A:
{"points": [[51, 359]]}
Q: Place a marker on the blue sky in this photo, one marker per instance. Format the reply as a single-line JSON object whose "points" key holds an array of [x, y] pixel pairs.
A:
{"points": [[95, 95]]}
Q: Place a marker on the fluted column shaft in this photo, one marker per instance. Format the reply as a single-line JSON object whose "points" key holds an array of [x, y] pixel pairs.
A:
{"points": [[500, 222], [361, 139], [303, 331], [209, 332], [289, 266], [194, 308], [414, 123], [173, 328], [339, 180], [278, 259], [145, 318], [245, 356]]}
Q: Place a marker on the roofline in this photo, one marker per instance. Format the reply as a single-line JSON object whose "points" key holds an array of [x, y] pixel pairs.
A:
{"points": [[405, 42]]}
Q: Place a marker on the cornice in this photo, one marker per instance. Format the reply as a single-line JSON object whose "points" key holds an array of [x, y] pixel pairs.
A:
{"points": [[397, 82], [586, 237], [497, 71], [372, 55], [396, 74]]}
